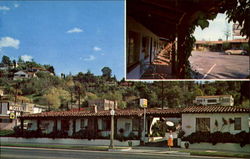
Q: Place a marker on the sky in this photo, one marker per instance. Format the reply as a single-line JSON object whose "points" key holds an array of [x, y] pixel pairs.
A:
{"points": [[72, 36], [216, 29]]}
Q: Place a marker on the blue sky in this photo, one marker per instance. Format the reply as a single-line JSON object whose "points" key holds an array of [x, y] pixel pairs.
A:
{"points": [[71, 36]]}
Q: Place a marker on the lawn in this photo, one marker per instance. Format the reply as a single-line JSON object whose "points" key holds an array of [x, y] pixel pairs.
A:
{"points": [[6, 132]]}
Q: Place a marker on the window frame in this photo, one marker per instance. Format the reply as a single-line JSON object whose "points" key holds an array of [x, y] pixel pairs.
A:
{"points": [[237, 127], [205, 123]]}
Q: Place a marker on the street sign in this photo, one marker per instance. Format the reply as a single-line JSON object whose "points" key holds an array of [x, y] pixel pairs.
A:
{"points": [[12, 116], [144, 103], [112, 112]]}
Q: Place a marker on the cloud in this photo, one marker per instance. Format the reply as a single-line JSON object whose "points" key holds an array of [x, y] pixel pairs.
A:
{"points": [[90, 58], [26, 58], [16, 5], [75, 30], [9, 42], [96, 48], [4, 8]]}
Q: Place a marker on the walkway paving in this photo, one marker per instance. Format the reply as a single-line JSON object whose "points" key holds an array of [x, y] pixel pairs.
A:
{"points": [[161, 67]]}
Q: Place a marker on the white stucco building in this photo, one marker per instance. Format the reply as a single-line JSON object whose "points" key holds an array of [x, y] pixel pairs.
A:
{"points": [[215, 118]]}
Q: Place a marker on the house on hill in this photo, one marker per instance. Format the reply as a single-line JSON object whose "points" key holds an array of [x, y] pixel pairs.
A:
{"points": [[23, 75], [224, 100]]}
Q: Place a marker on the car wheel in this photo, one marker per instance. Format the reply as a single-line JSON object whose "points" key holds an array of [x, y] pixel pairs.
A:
{"points": [[229, 53]]}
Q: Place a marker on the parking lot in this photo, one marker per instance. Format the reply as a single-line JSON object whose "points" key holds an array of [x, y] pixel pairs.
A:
{"points": [[218, 65]]}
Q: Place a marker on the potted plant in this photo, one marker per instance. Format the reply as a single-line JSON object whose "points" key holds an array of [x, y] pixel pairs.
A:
{"points": [[186, 145]]}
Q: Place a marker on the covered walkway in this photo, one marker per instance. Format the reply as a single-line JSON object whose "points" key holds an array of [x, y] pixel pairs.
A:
{"points": [[161, 67]]}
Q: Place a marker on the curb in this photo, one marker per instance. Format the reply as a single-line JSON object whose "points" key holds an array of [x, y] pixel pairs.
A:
{"points": [[119, 150]]}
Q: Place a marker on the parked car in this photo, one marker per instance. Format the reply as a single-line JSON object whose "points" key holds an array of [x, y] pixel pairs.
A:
{"points": [[236, 52]]}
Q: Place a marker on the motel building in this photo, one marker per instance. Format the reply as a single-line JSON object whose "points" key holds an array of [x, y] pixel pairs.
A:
{"points": [[129, 122]]}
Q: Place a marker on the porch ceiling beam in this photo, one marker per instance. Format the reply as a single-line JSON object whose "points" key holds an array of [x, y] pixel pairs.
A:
{"points": [[137, 8], [154, 17], [164, 5]]}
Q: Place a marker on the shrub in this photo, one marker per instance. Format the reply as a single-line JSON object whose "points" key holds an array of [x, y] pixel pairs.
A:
{"points": [[218, 137]]}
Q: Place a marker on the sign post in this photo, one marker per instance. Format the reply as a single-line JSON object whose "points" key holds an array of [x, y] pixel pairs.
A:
{"points": [[144, 104], [112, 113]]}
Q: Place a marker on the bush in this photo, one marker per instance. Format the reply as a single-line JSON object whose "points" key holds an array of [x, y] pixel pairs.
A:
{"points": [[218, 137], [6, 132], [226, 46]]}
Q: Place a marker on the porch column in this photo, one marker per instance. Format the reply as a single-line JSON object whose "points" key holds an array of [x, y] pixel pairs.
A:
{"points": [[55, 125], [173, 58], [115, 127], [22, 120], [140, 127], [38, 125], [181, 52], [74, 126]]}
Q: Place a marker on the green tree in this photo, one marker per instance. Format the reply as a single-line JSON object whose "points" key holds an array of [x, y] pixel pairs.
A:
{"points": [[55, 98], [106, 72], [6, 60]]}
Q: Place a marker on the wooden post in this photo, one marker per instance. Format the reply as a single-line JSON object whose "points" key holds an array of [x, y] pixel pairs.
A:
{"points": [[115, 127], [55, 125], [140, 128], [74, 126], [173, 58], [38, 124], [22, 126], [181, 51]]}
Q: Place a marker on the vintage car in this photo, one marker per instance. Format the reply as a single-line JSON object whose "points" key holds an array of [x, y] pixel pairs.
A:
{"points": [[236, 52]]}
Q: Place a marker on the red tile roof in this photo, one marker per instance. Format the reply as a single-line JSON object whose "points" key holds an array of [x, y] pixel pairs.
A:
{"points": [[173, 112], [216, 96], [215, 109], [102, 113]]}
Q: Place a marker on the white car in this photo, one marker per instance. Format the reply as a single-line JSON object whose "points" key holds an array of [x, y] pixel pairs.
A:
{"points": [[236, 52]]}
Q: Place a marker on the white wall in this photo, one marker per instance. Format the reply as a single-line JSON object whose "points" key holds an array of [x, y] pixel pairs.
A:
{"points": [[33, 124], [121, 125], [50, 126], [189, 122]]}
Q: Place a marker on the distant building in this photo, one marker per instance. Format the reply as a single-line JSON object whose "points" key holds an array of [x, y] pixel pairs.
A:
{"points": [[7, 108], [224, 100], [23, 75], [103, 104], [218, 45]]}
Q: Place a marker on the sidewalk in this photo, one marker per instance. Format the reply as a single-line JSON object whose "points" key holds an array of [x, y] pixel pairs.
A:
{"points": [[192, 152], [137, 149]]}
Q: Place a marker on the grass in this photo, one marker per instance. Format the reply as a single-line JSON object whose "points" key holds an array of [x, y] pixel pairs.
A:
{"points": [[217, 153], [6, 132], [75, 147]]}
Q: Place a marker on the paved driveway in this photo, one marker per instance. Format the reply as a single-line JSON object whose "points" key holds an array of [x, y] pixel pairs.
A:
{"points": [[218, 65]]}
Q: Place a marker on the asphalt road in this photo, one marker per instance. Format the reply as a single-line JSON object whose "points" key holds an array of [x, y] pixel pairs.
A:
{"points": [[40, 153], [218, 65]]}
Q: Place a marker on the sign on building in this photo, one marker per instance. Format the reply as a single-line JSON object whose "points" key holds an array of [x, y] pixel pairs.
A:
{"points": [[12, 116], [144, 103]]}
